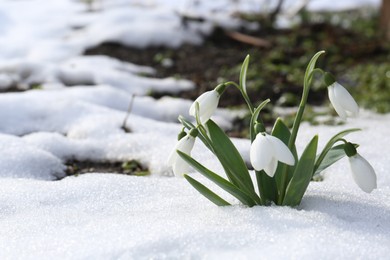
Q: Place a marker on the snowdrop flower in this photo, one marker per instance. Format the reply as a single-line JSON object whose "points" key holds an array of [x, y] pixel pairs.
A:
{"points": [[185, 145], [208, 103], [341, 100], [266, 151], [362, 172]]}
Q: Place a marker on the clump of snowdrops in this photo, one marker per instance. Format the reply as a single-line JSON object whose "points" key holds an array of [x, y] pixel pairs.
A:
{"points": [[281, 176]]}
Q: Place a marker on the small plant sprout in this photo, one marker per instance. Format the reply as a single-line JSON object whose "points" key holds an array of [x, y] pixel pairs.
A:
{"points": [[282, 177]]}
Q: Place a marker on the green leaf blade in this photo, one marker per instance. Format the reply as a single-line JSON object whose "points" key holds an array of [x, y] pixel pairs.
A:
{"points": [[255, 117], [281, 131], [302, 175], [333, 155], [225, 149], [329, 146], [221, 182], [267, 187], [217, 200], [243, 72], [231, 160], [310, 67], [186, 123]]}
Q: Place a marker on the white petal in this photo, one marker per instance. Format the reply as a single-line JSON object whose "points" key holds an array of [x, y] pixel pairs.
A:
{"points": [[200, 100], [208, 107], [281, 151], [363, 173], [261, 152], [185, 145], [270, 169], [208, 103], [346, 100], [180, 167], [336, 103]]}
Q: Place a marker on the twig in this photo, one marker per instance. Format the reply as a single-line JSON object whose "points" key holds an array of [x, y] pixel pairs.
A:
{"points": [[255, 41], [124, 127]]}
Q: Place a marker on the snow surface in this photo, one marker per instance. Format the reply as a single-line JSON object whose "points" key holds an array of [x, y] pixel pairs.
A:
{"points": [[78, 111]]}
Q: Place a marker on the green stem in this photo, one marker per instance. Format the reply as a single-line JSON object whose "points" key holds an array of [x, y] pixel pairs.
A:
{"points": [[247, 100], [324, 152], [255, 118], [310, 70], [293, 137]]}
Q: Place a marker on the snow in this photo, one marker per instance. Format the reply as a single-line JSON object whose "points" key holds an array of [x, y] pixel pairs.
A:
{"points": [[118, 217], [77, 113]]}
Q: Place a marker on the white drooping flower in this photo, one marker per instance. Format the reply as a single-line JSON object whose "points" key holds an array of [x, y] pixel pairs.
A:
{"points": [[185, 145], [342, 101], [363, 173], [208, 103], [266, 151]]}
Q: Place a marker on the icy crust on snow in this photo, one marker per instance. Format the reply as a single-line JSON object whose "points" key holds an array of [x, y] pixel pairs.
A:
{"points": [[61, 109], [121, 217], [84, 123], [22, 160], [87, 70]]}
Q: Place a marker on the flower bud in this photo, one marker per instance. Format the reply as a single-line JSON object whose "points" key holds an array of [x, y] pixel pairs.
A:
{"points": [[342, 101], [208, 103]]}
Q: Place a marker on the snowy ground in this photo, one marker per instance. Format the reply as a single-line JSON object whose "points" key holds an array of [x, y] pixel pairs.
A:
{"points": [[110, 216]]}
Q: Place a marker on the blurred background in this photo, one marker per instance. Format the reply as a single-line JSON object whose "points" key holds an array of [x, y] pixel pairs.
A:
{"points": [[206, 41], [280, 36]]}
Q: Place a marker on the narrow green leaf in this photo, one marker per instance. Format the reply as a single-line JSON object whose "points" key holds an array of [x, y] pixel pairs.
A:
{"points": [[225, 149], [281, 131], [244, 69], [217, 200], [329, 145], [310, 67], [186, 123], [267, 187], [302, 175], [231, 159], [221, 182], [255, 117], [333, 155]]}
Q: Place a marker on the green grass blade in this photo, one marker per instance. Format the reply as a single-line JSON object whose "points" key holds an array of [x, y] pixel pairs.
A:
{"points": [[221, 182], [217, 200], [302, 175]]}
